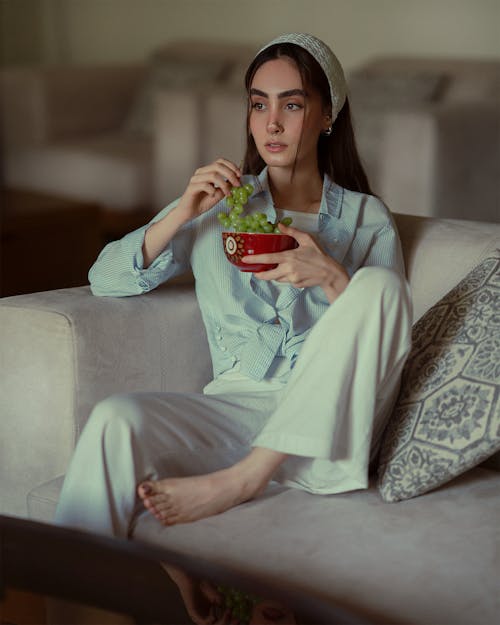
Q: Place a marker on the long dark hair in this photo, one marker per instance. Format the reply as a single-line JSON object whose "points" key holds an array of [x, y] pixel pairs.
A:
{"points": [[338, 155]]}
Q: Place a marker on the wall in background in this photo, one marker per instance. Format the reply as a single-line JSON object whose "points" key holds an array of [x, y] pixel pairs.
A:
{"points": [[108, 31]]}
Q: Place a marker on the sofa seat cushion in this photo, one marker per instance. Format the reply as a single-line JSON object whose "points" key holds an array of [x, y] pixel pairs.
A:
{"points": [[432, 559], [427, 560], [113, 170]]}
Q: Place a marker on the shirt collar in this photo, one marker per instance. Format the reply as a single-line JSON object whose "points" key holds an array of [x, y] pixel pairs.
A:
{"points": [[331, 196]]}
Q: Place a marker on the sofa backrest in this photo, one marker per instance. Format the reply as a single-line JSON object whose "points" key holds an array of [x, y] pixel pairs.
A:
{"points": [[440, 252]]}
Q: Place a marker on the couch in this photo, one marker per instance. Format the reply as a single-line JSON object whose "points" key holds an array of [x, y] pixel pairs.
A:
{"points": [[94, 132], [391, 554], [130, 136]]}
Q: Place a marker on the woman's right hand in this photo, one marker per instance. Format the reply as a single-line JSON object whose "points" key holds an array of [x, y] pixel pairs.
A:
{"points": [[207, 186]]}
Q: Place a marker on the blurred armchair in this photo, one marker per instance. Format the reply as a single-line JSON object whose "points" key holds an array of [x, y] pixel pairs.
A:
{"points": [[91, 132], [429, 133]]}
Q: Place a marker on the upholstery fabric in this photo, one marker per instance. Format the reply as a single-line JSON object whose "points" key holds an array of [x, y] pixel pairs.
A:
{"points": [[62, 351], [353, 549], [396, 564], [447, 417]]}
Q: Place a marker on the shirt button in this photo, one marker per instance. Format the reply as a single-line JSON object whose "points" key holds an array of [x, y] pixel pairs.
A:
{"points": [[218, 328], [219, 337], [223, 349]]}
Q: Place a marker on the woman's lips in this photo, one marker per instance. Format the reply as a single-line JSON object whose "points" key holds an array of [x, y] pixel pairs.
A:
{"points": [[275, 147]]}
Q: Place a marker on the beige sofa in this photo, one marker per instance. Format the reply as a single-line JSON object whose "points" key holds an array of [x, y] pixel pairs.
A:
{"points": [[429, 560], [129, 137]]}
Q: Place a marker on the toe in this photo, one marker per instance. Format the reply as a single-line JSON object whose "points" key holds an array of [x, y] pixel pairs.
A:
{"points": [[145, 489]]}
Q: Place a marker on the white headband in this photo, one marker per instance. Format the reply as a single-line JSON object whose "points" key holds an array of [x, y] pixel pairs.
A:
{"points": [[327, 61]]}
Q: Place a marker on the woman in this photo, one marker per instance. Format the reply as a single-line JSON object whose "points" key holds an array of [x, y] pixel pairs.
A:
{"points": [[307, 356]]}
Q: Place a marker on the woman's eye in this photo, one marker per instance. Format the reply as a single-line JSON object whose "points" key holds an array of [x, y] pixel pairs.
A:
{"points": [[258, 106], [293, 106]]}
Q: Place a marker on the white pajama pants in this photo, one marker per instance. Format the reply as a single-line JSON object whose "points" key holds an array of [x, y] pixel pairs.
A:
{"points": [[328, 416]]}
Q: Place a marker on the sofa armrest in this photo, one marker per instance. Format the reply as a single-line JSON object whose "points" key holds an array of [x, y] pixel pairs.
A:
{"points": [[62, 351]]}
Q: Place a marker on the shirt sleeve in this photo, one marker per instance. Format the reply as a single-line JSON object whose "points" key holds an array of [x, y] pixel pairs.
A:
{"points": [[386, 250], [119, 269]]}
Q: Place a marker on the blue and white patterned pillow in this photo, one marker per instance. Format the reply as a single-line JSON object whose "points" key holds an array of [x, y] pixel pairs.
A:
{"points": [[447, 416]]}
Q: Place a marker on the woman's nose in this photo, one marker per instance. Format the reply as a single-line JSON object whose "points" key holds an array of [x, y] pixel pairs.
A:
{"points": [[274, 126]]}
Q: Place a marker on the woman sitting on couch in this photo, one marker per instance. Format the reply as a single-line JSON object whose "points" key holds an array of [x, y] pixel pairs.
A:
{"points": [[307, 356]]}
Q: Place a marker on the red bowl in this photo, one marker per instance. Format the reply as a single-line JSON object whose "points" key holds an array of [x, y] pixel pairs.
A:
{"points": [[239, 244]]}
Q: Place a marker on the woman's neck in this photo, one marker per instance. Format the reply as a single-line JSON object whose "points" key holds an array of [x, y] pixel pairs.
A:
{"points": [[300, 191]]}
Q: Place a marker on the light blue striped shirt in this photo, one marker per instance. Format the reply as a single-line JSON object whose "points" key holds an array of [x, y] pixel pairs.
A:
{"points": [[255, 323]]}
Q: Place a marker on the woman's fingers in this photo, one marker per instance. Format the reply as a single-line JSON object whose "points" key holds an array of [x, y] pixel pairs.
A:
{"points": [[271, 258], [221, 173], [302, 238]]}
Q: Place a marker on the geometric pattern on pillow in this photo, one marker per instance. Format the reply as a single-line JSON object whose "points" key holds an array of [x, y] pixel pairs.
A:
{"points": [[447, 416]]}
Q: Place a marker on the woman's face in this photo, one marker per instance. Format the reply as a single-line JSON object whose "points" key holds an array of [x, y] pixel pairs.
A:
{"points": [[285, 119]]}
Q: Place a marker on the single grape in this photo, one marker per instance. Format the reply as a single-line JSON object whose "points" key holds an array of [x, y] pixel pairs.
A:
{"points": [[286, 221], [248, 188]]}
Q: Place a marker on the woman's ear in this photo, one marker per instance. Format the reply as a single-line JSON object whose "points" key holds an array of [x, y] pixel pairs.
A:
{"points": [[327, 125]]}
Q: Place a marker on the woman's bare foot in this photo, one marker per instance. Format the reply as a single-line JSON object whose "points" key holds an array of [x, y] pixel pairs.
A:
{"points": [[186, 499]]}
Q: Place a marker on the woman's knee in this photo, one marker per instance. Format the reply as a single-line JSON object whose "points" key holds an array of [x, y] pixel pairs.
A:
{"points": [[117, 411], [377, 279], [382, 282]]}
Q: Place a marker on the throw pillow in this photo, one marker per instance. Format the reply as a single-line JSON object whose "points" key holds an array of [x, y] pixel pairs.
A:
{"points": [[447, 416]]}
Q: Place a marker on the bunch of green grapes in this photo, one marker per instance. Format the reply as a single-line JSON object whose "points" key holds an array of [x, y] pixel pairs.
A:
{"points": [[257, 222], [239, 603]]}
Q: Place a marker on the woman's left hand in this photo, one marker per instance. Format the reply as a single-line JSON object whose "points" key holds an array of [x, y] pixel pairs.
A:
{"points": [[306, 265]]}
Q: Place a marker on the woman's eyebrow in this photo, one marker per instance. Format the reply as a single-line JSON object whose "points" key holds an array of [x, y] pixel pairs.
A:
{"points": [[282, 94]]}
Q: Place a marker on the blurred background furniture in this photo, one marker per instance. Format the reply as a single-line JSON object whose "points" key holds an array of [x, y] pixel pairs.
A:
{"points": [[129, 137], [91, 132], [429, 133], [62, 351]]}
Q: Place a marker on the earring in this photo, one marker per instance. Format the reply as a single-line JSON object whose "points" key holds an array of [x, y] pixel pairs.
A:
{"points": [[327, 132]]}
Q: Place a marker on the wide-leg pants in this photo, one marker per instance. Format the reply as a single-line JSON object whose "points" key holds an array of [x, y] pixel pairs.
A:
{"points": [[328, 416]]}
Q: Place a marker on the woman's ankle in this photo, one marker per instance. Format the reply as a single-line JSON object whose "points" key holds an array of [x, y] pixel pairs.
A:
{"points": [[257, 469]]}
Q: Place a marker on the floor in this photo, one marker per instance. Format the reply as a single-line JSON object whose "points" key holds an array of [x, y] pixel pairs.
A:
{"points": [[22, 608]]}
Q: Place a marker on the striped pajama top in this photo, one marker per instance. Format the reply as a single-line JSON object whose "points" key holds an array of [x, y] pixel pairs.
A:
{"points": [[254, 323]]}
